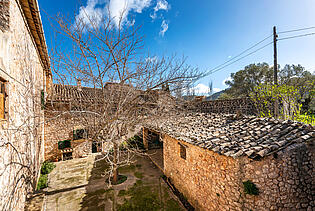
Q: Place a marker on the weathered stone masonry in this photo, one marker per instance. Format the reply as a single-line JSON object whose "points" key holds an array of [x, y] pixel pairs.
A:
{"points": [[211, 181], [60, 129], [222, 152], [230, 106], [24, 69]]}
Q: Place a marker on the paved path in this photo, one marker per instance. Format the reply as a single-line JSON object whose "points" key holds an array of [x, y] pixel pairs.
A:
{"points": [[67, 184], [78, 184]]}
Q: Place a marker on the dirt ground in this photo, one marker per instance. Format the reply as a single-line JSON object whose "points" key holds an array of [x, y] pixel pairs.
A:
{"points": [[78, 184]]}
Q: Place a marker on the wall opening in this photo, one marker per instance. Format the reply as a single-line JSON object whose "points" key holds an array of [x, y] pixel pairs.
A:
{"points": [[182, 151], [3, 98], [96, 146]]}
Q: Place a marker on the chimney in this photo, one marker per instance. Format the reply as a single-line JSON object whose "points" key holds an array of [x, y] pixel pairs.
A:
{"points": [[79, 84]]}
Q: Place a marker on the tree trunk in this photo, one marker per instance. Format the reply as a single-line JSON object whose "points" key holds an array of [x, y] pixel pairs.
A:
{"points": [[115, 171]]}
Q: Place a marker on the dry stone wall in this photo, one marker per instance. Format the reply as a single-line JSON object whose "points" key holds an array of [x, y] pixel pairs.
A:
{"points": [[232, 106], [211, 181]]}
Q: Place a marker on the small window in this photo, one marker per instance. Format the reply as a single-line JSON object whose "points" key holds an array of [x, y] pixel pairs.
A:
{"points": [[182, 151], [3, 97], [42, 99]]}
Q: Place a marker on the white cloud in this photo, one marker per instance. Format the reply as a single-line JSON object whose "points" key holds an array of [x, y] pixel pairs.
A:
{"points": [[121, 8], [201, 89], [164, 28], [216, 90], [95, 11], [160, 5], [226, 79], [91, 15]]}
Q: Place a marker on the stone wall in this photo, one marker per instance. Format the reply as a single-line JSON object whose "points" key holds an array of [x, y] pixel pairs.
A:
{"points": [[215, 182], [4, 15], [232, 106], [21, 133], [59, 126]]}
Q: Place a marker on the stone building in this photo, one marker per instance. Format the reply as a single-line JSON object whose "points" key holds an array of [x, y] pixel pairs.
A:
{"points": [[67, 116], [74, 110], [24, 80], [220, 162]]}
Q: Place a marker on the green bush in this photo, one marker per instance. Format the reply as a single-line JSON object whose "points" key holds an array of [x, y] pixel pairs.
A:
{"points": [[60, 145], [250, 188], [47, 167], [135, 142], [42, 181], [64, 144]]}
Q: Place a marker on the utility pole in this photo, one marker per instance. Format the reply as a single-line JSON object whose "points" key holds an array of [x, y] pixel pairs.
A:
{"points": [[275, 70]]}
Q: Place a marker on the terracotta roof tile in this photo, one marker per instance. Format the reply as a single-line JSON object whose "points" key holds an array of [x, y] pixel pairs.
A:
{"points": [[248, 136]]}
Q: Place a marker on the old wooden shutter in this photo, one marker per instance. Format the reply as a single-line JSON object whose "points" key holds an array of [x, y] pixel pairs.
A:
{"points": [[2, 99], [1, 105]]}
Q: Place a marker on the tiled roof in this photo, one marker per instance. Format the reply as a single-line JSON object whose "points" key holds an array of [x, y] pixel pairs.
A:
{"points": [[222, 133], [31, 12], [67, 93]]}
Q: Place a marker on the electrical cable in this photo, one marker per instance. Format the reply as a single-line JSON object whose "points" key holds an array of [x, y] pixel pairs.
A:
{"points": [[242, 53], [217, 69], [295, 30], [296, 36]]}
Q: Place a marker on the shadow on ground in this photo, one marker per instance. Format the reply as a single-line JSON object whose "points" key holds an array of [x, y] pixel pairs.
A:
{"points": [[143, 190]]}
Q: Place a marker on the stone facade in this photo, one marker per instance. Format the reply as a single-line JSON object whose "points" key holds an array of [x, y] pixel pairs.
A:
{"points": [[211, 181], [21, 131], [59, 126], [231, 106]]}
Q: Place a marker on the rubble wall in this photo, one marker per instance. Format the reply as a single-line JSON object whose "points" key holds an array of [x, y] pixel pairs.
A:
{"points": [[211, 181], [231, 106], [21, 132]]}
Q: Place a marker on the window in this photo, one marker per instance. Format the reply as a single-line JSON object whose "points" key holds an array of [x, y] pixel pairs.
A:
{"points": [[3, 97], [182, 151], [42, 99]]}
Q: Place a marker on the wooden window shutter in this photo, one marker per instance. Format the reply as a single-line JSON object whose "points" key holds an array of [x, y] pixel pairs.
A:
{"points": [[2, 99], [1, 105]]}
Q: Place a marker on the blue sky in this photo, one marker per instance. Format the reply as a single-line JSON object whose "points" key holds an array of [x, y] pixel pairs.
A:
{"points": [[209, 32]]}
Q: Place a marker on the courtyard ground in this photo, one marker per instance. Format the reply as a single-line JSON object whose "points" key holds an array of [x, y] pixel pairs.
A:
{"points": [[78, 184]]}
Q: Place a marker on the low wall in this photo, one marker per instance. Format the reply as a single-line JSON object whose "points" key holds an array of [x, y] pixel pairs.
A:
{"points": [[232, 106], [215, 182]]}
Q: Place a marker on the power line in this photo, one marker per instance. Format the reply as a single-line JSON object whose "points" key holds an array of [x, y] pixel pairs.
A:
{"points": [[296, 30], [240, 53], [217, 69], [296, 36], [232, 60]]}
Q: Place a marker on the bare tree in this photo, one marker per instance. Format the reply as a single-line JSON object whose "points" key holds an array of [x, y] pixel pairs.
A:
{"points": [[129, 87]]}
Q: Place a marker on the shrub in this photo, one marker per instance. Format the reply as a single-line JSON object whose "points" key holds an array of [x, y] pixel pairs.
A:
{"points": [[47, 167], [60, 145], [250, 188], [67, 143], [42, 181], [64, 144], [135, 142]]}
